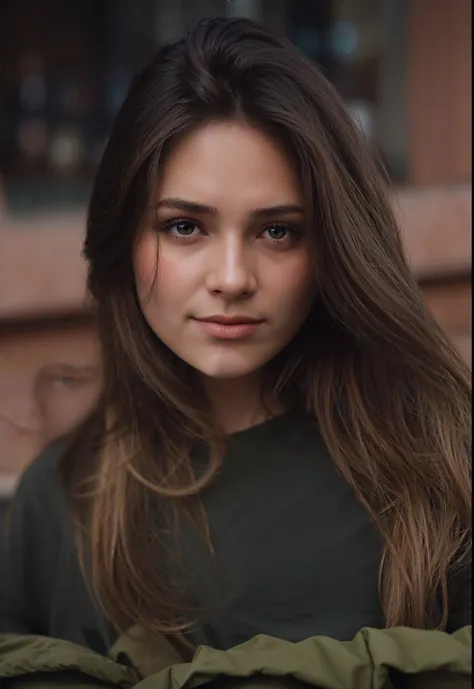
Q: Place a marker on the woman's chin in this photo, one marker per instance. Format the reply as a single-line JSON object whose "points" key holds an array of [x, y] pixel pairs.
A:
{"points": [[227, 372], [227, 369]]}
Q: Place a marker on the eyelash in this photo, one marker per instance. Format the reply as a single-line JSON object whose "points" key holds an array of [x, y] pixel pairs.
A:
{"points": [[169, 224]]}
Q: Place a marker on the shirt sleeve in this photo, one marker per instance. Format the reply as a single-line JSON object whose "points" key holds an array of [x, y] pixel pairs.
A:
{"points": [[29, 548]]}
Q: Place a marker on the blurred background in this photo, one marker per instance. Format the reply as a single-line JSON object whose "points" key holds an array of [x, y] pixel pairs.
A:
{"points": [[403, 67]]}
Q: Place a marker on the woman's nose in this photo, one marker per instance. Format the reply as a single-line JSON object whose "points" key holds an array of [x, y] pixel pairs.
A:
{"points": [[232, 273]]}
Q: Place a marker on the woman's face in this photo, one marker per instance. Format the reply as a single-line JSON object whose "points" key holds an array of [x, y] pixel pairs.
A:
{"points": [[49, 380], [233, 284]]}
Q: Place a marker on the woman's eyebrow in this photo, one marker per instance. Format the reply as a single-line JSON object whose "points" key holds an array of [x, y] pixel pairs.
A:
{"points": [[195, 207], [187, 206], [281, 209]]}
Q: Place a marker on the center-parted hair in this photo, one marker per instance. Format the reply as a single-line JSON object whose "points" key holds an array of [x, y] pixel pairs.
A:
{"points": [[390, 393]]}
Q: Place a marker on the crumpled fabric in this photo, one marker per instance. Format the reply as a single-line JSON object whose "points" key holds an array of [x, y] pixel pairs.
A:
{"points": [[398, 658]]}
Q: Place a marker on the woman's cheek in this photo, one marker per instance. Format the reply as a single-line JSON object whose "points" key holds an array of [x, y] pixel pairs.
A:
{"points": [[145, 262]]}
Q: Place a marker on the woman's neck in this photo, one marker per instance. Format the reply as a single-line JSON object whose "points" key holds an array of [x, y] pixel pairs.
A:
{"points": [[239, 403]]}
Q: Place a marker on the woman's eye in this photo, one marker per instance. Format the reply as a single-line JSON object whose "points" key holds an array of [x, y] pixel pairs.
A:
{"points": [[66, 381], [278, 233], [182, 228]]}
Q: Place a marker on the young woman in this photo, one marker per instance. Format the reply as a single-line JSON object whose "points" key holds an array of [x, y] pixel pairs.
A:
{"points": [[283, 441]]}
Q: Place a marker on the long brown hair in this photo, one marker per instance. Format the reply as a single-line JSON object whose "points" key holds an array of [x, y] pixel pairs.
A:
{"points": [[390, 393]]}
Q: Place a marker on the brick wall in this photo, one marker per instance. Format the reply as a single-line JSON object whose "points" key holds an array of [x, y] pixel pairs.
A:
{"points": [[451, 304]]}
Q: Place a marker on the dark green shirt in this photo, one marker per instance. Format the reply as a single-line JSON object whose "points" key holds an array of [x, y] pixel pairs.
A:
{"points": [[297, 554]]}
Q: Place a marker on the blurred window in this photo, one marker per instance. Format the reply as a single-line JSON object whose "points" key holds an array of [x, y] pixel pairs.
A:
{"points": [[68, 64], [361, 45]]}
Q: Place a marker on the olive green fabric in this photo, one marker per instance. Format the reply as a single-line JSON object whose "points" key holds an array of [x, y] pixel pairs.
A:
{"points": [[42, 662], [398, 658], [147, 653]]}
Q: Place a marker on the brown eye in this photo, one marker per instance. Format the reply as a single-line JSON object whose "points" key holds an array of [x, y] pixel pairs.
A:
{"points": [[181, 229], [185, 228]]}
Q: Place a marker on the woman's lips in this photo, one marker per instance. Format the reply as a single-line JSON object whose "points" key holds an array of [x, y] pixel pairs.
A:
{"points": [[229, 330]]}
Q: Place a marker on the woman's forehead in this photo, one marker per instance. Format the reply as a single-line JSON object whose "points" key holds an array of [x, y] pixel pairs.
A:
{"points": [[229, 160]]}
